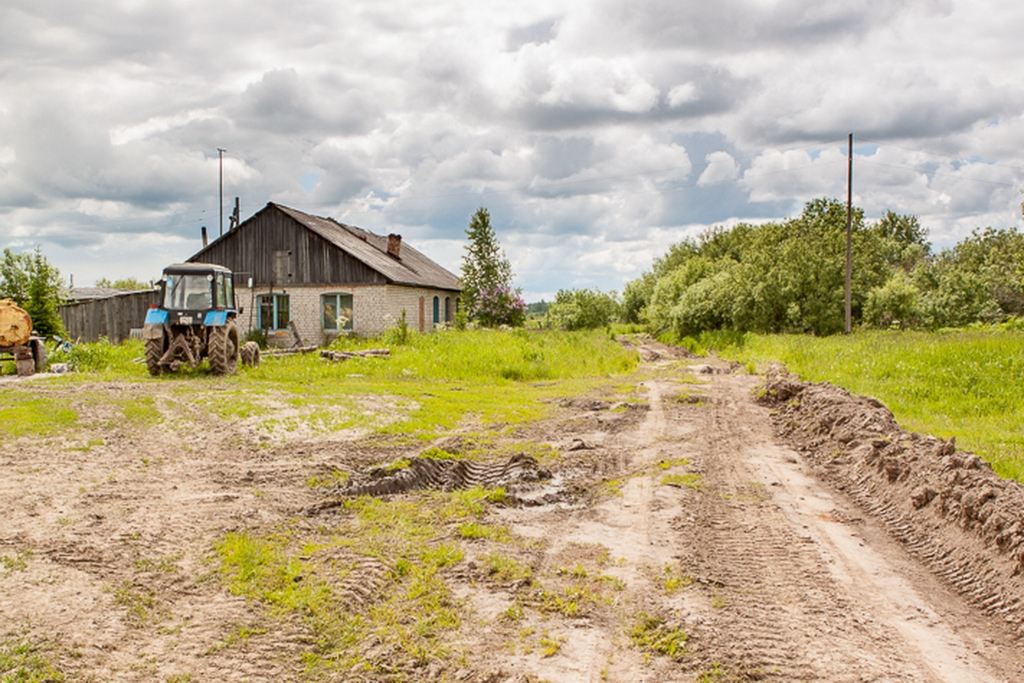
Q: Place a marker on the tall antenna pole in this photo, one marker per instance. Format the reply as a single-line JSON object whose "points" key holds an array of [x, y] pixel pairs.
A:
{"points": [[849, 233], [220, 153]]}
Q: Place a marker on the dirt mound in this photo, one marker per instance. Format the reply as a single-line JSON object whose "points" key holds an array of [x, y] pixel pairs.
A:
{"points": [[947, 506]]}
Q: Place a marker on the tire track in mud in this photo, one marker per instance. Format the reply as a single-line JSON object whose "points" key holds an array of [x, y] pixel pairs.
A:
{"points": [[774, 612]]}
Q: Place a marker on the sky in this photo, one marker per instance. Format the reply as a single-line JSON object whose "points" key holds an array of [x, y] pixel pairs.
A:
{"points": [[596, 133]]}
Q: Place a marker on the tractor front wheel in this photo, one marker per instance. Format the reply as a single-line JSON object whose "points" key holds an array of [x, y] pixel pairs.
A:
{"points": [[222, 348]]}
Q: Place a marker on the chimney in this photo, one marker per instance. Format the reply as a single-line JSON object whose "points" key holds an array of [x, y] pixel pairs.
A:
{"points": [[206, 240], [395, 246]]}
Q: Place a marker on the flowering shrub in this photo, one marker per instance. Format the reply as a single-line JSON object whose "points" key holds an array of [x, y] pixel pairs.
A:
{"points": [[499, 305]]}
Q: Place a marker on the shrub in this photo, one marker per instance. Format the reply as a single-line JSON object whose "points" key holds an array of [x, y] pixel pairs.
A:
{"points": [[583, 309]]}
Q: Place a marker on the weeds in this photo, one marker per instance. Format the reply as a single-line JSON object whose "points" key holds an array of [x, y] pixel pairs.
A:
{"points": [[689, 480], [24, 660], [653, 636]]}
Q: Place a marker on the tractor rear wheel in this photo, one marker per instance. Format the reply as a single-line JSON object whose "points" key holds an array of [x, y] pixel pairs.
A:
{"points": [[154, 350], [250, 354], [222, 348]]}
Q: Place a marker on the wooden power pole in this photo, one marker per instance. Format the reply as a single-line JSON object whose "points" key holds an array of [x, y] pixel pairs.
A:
{"points": [[849, 234]]}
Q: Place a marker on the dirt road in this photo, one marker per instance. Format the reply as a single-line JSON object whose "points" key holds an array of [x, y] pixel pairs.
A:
{"points": [[678, 539]]}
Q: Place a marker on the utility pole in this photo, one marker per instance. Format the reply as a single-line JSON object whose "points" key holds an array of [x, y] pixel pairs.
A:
{"points": [[220, 153], [849, 234]]}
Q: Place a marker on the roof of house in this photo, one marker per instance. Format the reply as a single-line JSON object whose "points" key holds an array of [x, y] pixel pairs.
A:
{"points": [[410, 268], [90, 293]]}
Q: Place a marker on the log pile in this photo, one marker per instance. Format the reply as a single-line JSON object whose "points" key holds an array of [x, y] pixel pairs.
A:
{"points": [[338, 356]]}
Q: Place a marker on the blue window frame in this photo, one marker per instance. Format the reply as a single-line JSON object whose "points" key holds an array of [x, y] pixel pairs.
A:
{"points": [[336, 312], [273, 312]]}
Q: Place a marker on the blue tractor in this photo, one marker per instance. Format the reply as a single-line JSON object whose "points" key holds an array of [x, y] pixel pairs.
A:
{"points": [[195, 319]]}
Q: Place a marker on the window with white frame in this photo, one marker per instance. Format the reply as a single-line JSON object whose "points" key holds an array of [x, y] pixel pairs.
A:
{"points": [[336, 312]]}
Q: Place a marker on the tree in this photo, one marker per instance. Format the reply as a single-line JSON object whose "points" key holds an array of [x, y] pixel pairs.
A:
{"points": [[126, 283], [33, 283], [487, 291]]}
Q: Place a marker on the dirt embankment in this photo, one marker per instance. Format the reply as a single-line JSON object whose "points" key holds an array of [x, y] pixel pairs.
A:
{"points": [[948, 508]]}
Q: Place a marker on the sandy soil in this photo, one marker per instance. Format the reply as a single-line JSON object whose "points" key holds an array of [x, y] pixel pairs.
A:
{"points": [[797, 537]]}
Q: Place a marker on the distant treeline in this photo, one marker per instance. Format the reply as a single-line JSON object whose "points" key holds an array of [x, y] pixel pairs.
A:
{"points": [[790, 277]]}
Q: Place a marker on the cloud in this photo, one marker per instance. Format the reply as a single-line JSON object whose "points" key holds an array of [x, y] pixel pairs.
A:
{"points": [[597, 134]]}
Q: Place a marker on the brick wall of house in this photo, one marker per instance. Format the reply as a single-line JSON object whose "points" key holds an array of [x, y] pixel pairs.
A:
{"points": [[375, 308]]}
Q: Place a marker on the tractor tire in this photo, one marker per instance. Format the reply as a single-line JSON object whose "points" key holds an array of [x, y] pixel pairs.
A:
{"points": [[154, 350], [250, 354], [38, 347], [222, 348]]}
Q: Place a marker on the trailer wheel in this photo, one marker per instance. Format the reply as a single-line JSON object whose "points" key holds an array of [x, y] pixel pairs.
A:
{"points": [[222, 348], [154, 351], [38, 353], [250, 354]]}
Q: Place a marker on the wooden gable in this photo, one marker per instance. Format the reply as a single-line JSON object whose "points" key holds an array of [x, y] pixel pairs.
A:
{"points": [[276, 250]]}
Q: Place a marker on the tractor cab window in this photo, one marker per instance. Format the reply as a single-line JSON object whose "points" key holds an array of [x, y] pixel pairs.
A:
{"points": [[188, 292], [225, 292]]}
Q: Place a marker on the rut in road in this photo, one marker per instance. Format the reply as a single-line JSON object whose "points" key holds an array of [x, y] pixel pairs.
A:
{"points": [[777, 614]]}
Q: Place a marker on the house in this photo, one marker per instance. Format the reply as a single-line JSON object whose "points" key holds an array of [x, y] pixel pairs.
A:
{"points": [[314, 277]]}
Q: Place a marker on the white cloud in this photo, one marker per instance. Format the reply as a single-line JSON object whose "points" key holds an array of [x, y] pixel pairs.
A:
{"points": [[721, 167]]}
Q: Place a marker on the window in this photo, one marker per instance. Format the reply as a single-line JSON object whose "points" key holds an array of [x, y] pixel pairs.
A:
{"points": [[225, 291], [447, 309], [274, 312], [188, 293], [283, 266], [337, 312], [437, 310]]}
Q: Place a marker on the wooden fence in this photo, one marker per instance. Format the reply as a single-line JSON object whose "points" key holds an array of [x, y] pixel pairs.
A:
{"points": [[112, 317]]}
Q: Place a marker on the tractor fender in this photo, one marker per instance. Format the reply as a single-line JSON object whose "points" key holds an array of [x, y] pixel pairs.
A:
{"points": [[152, 331], [216, 318], [155, 316]]}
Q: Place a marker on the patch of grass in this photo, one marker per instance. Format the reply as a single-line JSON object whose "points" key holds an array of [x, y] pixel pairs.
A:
{"points": [[549, 646], [652, 635], [329, 480], [16, 563], [164, 565], [32, 414], [690, 480], [140, 603], [670, 582], [674, 462], [504, 569], [24, 659], [141, 411], [415, 611], [476, 531], [963, 383]]}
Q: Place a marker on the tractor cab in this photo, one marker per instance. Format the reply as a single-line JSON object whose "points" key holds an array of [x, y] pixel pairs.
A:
{"points": [[193, 290]]}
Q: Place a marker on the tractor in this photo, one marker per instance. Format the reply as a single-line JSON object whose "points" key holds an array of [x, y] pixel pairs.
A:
{"points": [[195, 319]]}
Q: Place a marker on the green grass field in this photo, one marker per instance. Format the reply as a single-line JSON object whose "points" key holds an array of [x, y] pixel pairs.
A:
{"points": [[964, 383]]}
